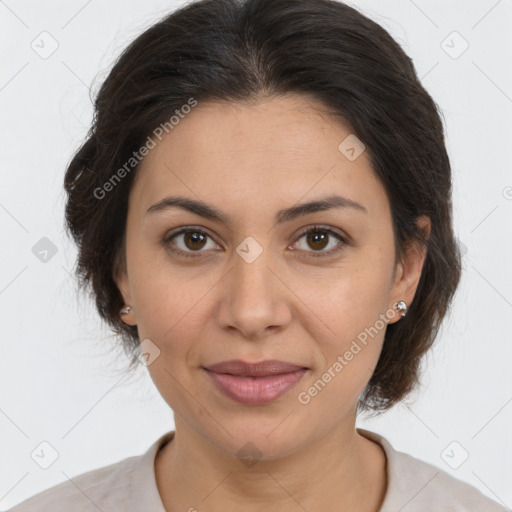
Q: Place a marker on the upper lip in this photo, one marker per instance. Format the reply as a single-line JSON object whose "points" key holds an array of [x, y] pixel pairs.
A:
{"points": [[261, 369]]}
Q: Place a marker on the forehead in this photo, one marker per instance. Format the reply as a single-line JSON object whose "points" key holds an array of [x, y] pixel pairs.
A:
{"points": [[281, 151]]}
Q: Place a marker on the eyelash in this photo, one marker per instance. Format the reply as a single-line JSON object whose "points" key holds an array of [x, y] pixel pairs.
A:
{"points": [[315, 254]]}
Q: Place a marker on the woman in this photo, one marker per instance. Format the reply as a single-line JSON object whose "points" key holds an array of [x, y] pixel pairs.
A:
{"points": [[263, 213]]}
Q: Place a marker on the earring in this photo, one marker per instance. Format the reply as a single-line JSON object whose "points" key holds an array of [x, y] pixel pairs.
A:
{"points": [[125, 310], [402, 307]]}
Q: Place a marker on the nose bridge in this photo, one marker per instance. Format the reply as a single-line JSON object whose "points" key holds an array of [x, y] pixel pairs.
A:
{"points": [[251, 268], [253, 299]]}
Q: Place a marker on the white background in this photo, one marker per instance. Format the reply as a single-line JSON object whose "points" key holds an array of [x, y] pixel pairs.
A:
{"points": [[61, 382]]}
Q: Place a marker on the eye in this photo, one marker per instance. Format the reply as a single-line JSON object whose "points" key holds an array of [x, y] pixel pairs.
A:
{"points": [[318, 238], [192, 240]]}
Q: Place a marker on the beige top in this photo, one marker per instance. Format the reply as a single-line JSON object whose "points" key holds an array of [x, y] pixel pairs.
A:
{"points": [[130, 485]]}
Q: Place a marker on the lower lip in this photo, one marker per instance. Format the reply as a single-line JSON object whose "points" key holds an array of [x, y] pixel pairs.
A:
{"points": [[256, 390]]}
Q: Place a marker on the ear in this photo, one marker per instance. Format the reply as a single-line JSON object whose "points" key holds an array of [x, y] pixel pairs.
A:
{"points": [[120, 276], [408, 272]]}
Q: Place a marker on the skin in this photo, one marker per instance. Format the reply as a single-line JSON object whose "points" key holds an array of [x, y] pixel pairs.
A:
{"points": [[250, 161]]}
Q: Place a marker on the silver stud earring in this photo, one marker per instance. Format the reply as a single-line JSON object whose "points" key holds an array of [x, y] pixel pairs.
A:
{"points": [[402, 307], [125, 310]]}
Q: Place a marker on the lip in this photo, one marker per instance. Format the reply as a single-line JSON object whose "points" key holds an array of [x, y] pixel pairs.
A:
{"points": [[261, 369], [255, 383]]}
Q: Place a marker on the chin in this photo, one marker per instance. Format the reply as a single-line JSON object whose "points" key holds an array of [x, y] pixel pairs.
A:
{"points": [[249, 448], [264, 439]]}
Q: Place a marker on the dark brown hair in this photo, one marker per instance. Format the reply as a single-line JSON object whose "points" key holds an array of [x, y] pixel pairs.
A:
{"points": [[245, 50]]}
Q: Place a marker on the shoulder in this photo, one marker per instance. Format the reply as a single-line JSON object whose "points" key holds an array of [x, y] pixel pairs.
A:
{"points": [[125, 485], [417, 486], [83, 492]]}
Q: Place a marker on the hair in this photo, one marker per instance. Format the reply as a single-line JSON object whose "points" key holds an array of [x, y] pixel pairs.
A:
{"points": [[247, 51]]}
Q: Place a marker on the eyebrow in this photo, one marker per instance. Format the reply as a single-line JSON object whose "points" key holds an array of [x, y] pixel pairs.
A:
{"points": [[288, 214]]}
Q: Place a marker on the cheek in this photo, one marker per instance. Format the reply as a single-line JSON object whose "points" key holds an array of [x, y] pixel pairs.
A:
{"points": [[345, 300], [348, 327], [173, 305], [170, 312], [163, 293], [332, 394], [348, 359]]}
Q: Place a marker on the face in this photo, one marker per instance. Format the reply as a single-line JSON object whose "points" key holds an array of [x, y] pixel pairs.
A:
{"points": [[311, 287]]}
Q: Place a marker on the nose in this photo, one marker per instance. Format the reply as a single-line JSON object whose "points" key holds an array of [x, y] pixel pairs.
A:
{"points": [[255, 300]]}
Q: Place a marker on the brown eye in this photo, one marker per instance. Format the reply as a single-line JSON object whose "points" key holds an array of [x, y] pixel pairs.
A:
{"points": [[318, 238], [187, 242], [194, 240]]}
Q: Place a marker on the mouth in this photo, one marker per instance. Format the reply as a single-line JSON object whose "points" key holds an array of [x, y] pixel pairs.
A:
{"points": [[255, 383]]}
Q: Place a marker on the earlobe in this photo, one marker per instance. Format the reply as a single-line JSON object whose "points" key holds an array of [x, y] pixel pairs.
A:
{"points": [[120, 277], [127, 315]]}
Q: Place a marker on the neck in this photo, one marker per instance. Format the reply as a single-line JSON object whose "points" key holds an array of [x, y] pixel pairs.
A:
{"points": [[343, 471]]}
